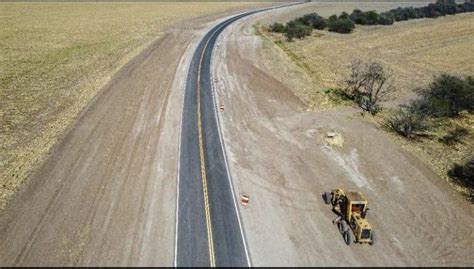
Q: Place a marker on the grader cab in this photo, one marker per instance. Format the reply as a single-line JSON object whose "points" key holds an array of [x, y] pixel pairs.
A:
{"points": [[351, 208]]}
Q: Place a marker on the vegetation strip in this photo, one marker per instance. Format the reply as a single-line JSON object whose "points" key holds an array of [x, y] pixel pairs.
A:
{"points": [[345, 23]]}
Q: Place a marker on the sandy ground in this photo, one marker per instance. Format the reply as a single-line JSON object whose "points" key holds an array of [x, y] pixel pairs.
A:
{"points": [[106, 194], [280, 158]]}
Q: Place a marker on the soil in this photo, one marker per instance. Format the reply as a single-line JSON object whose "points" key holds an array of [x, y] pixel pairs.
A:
{"points": [[106, 195], [280, 158]]}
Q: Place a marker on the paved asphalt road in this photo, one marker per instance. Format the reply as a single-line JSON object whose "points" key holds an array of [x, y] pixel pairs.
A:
{"points": [[209, 232]]}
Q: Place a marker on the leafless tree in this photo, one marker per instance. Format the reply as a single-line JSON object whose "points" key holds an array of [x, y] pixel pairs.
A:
{"points": [[368, 83]]}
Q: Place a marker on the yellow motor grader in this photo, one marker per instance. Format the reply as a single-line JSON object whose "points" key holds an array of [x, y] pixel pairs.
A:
{"points": [[351, 208]]}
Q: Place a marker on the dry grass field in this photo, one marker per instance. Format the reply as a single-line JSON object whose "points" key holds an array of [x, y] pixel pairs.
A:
{"points": [[56, 57], [414, 50]]}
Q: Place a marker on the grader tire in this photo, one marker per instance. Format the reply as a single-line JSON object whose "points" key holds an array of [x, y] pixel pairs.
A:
{"points": [[373, 238], [342, 226], [347, 235], [327, 198]]}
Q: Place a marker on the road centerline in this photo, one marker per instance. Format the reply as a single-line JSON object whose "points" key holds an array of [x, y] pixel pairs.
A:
{"points": [[203, 164], [206, 206]]}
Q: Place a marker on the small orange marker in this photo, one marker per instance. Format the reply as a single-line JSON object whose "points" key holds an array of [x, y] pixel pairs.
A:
{"points": [[245, 200]]}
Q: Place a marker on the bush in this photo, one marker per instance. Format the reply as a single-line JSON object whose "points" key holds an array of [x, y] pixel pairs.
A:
{"points": [[365, 18], [313, 20], [358, 17], [386, 19], [278, 28], [372, 17], [407, 122], [344, 15], [297, 29], [432, 10], [463, 174], [399, 14], [341, 25], [345, 23], [466, 7], [448, 95]]}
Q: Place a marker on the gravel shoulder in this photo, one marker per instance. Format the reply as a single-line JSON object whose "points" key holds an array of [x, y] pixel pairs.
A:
{"points": [[279, 157]]}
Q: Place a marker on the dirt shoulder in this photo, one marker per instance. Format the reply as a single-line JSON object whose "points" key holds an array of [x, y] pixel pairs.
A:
{"points": [[279, 156]]}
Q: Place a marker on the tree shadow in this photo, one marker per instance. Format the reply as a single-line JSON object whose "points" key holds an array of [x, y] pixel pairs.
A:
{"points": [[455, 136], [463, 174]]}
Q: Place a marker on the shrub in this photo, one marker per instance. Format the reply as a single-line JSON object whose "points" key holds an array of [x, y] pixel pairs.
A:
{"points": [[372, 17], [358, 17], [332, 18], [410, 12], [296, 29], [430, 11], [278, 28], [398, 14], [386, 19], [314, 20], [466, 7], [344, 23], [341, 25], [344, 15], [407, 122], [365, 18], [448, 95], [451, 8], [320, 23]]}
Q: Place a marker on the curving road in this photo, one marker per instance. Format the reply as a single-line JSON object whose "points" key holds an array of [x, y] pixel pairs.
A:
{"points": [[209, 231]]}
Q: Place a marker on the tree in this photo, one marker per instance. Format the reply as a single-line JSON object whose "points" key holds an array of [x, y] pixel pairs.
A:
{"points": [[313, 20], [358, 17], [367, 84], [344, 15], [408, 122], [297, 29], [372, 17], [399, 14], [340, 25], [332, 18], [448, 95], [386, 19], [365, 18]]}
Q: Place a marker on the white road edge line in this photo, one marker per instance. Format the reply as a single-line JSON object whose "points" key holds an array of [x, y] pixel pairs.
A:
{"points": [[195, 45], [229, 176], [224, 151], [179, 159]]}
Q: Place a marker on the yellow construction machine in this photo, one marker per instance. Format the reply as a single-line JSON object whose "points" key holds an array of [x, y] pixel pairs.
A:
{"points": [[351, 208]]}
